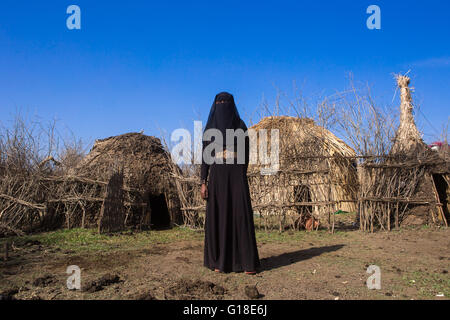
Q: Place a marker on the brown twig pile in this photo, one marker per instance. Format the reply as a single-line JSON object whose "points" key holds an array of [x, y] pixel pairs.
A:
{"points": [[402, 188], [27, 165]]}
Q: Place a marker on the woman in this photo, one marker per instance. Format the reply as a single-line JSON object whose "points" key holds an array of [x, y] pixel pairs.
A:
{"points": [[230, 243]]}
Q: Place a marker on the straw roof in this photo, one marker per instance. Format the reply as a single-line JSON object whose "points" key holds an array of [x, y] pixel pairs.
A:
{"points": [[303, 135], [142, 159]]}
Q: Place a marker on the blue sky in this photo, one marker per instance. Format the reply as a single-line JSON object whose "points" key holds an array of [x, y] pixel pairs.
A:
{"points": [[148, 65]]}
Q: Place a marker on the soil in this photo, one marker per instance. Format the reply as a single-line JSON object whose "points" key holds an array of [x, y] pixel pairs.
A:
{"points": [[99, 284], [414, 265]]}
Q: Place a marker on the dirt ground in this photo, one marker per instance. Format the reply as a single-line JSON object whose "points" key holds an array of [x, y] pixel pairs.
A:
{"points": [[168, 264]]}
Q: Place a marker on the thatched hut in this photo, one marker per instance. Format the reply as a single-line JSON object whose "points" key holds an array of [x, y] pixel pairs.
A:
{"points": [[316, 177], [150, 197], [411, 187]]}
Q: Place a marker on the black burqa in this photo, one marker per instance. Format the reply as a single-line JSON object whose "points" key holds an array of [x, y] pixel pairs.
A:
{"points": [[230, 243]]}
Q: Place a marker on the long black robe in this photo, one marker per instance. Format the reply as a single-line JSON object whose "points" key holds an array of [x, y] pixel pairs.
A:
{"points": [[230, 243]]}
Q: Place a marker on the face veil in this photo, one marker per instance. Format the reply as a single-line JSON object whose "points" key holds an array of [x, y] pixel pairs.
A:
{"points": [[224, 115]]}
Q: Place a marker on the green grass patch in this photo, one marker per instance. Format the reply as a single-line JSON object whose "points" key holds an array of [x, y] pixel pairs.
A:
{"points": [[80, 240], [429, 284]]}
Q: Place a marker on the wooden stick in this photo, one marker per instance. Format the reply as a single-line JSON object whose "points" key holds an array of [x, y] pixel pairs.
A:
{"points": [[5, 258], [22, 202], [84, 180], [396, 216], [438, 205], [389, 216]]}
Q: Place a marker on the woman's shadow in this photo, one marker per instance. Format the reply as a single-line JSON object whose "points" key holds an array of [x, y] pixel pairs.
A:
{"points": [[295, 256]]}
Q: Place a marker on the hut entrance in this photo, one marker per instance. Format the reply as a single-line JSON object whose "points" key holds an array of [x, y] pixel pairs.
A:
{"points": [[160, 218], [302, 195], [443, 191]]}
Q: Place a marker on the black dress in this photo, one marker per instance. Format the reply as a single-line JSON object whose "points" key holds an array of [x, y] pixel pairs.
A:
{"points": [[230, 243]]}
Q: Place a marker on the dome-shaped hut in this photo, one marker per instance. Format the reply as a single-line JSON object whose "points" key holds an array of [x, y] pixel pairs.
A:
{"points": [[149, 194], [316, 175]]}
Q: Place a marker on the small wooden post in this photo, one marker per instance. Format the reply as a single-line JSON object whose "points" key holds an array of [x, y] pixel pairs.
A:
{"points": [[389, 216], [147, 215], [332, 227], [362, 223], [371, 217], [6, 256], [438, 205], [396, 216], [83, 217]]}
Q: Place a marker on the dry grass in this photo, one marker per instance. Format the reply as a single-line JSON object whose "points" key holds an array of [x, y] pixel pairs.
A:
{"points": [[30, 152]]}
